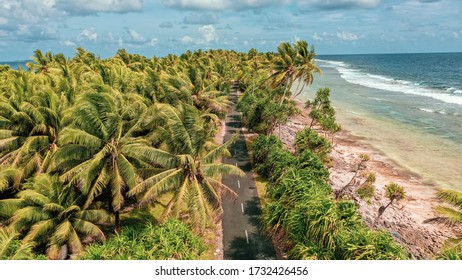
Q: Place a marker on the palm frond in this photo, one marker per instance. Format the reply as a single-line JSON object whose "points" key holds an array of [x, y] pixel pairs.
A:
{"points": [[165, 184], [219, 151], [449, 215], [451, 197], [39, 230], [218, 169], [151, 181], [79, 137], [148, 154]]}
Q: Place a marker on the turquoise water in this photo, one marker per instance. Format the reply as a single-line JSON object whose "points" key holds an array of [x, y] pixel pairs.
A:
{"points": [[407, 106]]}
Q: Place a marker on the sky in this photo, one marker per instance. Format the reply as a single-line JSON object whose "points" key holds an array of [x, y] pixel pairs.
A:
{"points": [[157, 28]]}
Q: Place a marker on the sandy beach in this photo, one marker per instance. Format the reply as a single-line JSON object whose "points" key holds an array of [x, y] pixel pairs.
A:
{"points": [[405, 220]]}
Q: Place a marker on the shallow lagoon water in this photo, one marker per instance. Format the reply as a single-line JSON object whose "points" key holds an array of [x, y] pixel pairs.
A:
{"points": [[415, 125]]}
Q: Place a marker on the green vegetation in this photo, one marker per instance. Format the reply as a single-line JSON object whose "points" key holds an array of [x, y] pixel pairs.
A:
{"points": [[308, 139], [394, 193], [366, 190], [174, 240], [301, 207], [300, 210], [11, 248], [322, 112], [116, 158], [363, 159], [451, 214], [85, 141]]}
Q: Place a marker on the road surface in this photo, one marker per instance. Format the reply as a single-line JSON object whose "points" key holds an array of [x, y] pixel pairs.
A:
{"points": [[242, 238]]}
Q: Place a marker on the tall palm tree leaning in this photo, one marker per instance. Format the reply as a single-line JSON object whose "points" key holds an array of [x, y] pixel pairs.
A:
{"points": [[189, 169], [306, 65], [294, 63]]}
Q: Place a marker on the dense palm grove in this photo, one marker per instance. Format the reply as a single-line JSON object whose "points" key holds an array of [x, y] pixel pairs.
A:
{"points": [[118, 158], [85, 143]]}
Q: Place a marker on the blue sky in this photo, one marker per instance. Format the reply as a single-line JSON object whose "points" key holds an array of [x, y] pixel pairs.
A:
{"points": [[173, 26]]}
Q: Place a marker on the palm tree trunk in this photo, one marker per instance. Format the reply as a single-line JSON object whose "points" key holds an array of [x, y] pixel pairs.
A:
{"points": [[350, 183], [117, 221], [288, 86], [382, 209]]}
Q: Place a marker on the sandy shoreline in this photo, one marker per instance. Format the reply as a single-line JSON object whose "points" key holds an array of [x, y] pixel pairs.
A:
{"points": [[406, 220]]}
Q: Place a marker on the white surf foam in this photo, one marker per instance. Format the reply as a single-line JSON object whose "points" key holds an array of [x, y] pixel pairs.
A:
{"points": [[427, 110], [386, 83]]}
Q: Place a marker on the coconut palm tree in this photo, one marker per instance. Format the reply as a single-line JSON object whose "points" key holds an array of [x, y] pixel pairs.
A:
{"points": [[9, 178], [29, 128], [293, 63], [306, 65], [199, 86], [11, 247], [96, 148], [188, 169], [40, 62], [50, 214]]}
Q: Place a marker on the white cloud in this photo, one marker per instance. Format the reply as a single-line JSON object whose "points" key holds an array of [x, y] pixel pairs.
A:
{"points": [[166, 24], [341, 4], [49, 32], [99, 6], [68, 43], [324, 36], [208, 36], [88, 34], [3, 21], [41, 11], [22, 29], [316, 37], [200, 19], [186, 39], [154, 42], [135, 36], [208, 33], [222, 4], [347, 36]]}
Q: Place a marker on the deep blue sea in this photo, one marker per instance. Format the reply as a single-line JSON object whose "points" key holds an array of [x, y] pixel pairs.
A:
{"points": [[407, 105], [16, 64], [436, 75]]}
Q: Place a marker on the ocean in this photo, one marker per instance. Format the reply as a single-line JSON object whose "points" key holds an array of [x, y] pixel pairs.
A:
{"points": [[16, 64], [409, 106]]}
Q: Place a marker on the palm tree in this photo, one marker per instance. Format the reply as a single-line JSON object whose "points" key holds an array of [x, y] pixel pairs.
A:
{"points": [[29, 128], [188, 169], [50, 214], [40, 62], [393, 192], [452, 214], [9, 178], [293, 63], [198, 85], [96, 149], [306, 65], [11, 247]]}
